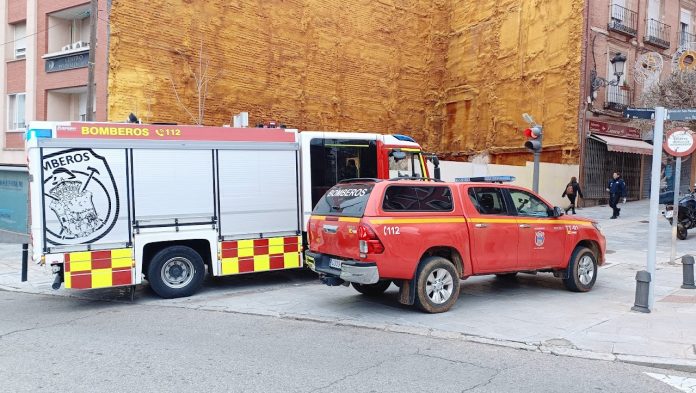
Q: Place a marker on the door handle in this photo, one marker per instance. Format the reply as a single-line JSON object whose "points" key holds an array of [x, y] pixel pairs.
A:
{"points": [[525, 226], [330, 228], [481, 226]]}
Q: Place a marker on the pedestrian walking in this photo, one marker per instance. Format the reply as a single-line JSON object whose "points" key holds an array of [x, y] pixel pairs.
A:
{"points": [[617, 190], [572, 191]]}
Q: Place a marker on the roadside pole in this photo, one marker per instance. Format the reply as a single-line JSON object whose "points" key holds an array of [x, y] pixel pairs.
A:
{"points": [[654, 200], [535, 175], [675, 209]]}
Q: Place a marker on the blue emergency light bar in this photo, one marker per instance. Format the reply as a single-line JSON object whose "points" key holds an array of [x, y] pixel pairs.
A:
{"points": [[485, 179], [404, 138]]}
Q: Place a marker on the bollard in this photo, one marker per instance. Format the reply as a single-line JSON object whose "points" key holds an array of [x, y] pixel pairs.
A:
{"points": [[642, 292], [25, 261], [688, 270]]}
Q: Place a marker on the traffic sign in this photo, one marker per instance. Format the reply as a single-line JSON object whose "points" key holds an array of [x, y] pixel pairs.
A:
{"points": [[679, 142], [681, 114]]}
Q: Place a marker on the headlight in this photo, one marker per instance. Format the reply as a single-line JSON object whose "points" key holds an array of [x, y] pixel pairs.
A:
{"points": [[597, 226]]}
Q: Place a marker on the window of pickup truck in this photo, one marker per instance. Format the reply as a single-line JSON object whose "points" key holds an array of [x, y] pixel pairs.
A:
{"points": [[344, 200], [488, 200], [418, 199], [528, 204]]}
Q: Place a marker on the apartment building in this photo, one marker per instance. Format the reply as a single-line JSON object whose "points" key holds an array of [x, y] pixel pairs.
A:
{"points": [[645, 35], [44, 71]]}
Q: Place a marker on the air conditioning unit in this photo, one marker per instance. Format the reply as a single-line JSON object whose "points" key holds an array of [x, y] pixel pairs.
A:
{"points": [[20, 53], [80, 44], [66, 47]]}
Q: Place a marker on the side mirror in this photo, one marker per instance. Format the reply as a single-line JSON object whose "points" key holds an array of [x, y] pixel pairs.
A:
{"points": [[557, 212]]}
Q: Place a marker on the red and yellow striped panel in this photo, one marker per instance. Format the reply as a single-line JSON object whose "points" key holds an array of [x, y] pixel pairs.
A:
{"points": [[258, 255], [99, 269]]}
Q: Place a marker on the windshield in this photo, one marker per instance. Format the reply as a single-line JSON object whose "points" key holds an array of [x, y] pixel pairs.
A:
{"points": [[344, 200], [405, 164]]}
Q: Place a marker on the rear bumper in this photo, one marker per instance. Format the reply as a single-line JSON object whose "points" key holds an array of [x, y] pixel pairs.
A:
{"points": [[350, 271]]}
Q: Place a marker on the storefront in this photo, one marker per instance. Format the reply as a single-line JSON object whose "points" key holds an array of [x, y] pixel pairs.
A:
{"points": [[613, 148]]}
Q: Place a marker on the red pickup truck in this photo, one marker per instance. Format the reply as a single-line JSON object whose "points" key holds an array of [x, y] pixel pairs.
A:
{"points": [[426, 236]]}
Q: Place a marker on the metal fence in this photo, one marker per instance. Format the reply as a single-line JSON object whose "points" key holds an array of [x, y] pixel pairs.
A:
{"points": [[657, 33], [623, 20], [600, 164]]}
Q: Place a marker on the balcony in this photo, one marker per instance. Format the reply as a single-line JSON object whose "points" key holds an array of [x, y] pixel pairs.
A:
{"points": [[685, 38], [657, 33], [622, 20], [618, 98]]}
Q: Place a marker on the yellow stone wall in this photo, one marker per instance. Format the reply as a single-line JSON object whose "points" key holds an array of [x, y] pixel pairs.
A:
{"points": [[507, 57], [456, 75]]}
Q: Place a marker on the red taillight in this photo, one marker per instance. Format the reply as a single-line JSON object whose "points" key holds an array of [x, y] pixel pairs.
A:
{"points": [[368, 240]]}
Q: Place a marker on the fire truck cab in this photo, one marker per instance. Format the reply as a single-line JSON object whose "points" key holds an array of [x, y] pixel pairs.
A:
{"points": [[112, 204]]}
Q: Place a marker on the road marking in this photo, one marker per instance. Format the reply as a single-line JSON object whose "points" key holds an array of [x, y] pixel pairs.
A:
{"points": [[687, 385]]}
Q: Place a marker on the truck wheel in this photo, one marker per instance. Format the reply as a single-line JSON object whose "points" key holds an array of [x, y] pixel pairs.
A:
{"points": [[682, 232], [437, 285], [582, 270], [176, 271], [372, 289]]}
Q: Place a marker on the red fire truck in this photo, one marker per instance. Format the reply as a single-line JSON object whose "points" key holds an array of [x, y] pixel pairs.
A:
{"points": [[115, 203]]}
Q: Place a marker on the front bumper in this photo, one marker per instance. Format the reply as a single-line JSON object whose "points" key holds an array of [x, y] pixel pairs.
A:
{"points": [[350, 271]]}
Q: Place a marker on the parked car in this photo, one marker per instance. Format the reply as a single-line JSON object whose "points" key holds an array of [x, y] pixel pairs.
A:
{"points": [[425, 236]]}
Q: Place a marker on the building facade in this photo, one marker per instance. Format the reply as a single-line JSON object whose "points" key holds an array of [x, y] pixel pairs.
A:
{"points": [[647, 33], [44, 71]]}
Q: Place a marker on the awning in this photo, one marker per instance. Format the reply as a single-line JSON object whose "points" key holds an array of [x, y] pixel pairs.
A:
{"points": [[624, 145]]}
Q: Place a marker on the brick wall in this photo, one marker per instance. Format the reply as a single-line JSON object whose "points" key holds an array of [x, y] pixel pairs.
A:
{"points": [[16, 11], [16, 76]]}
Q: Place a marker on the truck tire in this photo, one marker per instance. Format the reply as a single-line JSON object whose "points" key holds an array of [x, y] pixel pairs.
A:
{"points": [[372, 289], [176, 271], [437, 285], [582, 270]]}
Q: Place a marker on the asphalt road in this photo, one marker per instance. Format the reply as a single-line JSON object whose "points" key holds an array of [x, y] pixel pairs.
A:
{"points": [[52, 343]]}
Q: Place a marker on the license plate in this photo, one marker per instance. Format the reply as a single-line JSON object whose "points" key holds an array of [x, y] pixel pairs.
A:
{"points": [[669, 213], [335, 263]]}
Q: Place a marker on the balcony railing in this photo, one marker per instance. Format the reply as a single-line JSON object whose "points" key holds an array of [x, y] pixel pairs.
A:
{"points": [[623, 20], [618, 98], [657, 33], [685, 38]]}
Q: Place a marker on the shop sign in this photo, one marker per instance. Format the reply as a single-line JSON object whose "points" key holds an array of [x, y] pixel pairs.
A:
{"points": [[600, 128], [67, 62]]}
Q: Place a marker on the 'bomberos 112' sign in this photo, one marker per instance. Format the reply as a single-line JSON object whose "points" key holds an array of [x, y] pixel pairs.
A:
{"points": [[679, 142]]}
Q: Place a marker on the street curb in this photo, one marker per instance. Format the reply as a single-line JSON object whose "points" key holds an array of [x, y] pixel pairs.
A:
{"points": [[676, 364]]}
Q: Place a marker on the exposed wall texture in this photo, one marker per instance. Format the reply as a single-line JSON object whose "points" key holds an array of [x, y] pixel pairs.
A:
{"points": [[456, 75], [507, 57], [312, 64]]}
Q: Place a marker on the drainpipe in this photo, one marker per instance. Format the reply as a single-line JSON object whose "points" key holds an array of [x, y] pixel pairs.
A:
{"points": [[582, 110]]}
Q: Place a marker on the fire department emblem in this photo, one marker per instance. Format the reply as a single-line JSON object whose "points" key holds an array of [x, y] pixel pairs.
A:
{"points": [[80, 191], [539, 238]]}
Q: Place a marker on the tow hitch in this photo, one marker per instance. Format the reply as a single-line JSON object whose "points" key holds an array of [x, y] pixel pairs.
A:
{"points": [[332, 281]]}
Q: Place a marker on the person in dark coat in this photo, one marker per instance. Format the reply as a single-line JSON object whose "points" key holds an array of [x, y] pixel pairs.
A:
{"points": [[617, 190], [572, 191]]}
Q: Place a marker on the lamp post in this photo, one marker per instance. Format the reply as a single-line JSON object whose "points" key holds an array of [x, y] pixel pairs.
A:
{"points": [[618, 62]]}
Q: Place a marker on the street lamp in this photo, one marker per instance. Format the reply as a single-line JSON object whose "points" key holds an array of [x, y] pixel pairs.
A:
{"points": [[618, 62]]}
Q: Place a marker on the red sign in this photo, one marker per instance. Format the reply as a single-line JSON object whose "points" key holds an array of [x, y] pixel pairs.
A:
{"points": [[598, 127], [173, 132], [679, 142]]}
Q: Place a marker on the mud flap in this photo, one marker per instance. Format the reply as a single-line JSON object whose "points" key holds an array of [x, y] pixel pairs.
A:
{"points": [[407, 292], [563, 274]]}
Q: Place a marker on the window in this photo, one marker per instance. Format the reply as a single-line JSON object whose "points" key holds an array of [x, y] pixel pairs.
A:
{"points": [[404, 164], [20, 40], [333, 160], [417, 199], [345, 200], [15, 112], [488, 200], [529, 205]]}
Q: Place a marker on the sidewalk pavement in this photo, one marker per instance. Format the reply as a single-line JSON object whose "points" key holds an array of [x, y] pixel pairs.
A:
{"points": [[532, 313]]}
